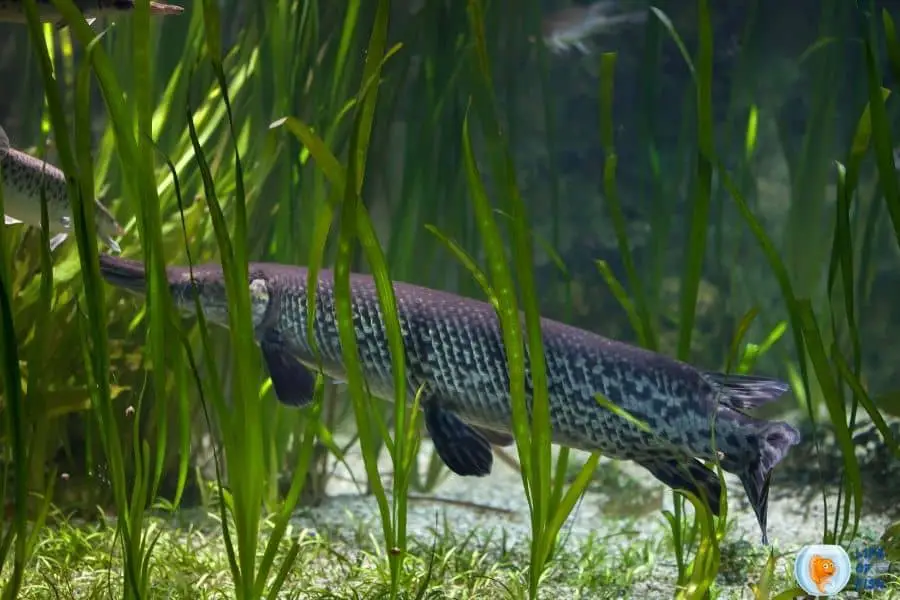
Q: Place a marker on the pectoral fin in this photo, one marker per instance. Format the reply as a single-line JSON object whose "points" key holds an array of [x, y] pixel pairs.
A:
{"points": [[113, 245], [8, 220], [57, 240], [462, 448], [4, 143], [294, 384]]}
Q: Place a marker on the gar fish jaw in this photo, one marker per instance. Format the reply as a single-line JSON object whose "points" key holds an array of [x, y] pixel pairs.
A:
{"points": [[203, 283], [208, 285]]}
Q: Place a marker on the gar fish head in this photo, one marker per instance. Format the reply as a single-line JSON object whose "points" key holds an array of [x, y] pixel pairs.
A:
{"points": [[205, 283], [209, 283]]}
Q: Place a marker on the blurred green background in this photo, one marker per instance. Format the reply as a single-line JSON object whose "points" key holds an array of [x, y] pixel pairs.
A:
{"points": [[789, 86]]}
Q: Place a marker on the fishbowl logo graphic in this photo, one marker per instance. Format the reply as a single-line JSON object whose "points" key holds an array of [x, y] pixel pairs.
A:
{"points": [[822, 570]]}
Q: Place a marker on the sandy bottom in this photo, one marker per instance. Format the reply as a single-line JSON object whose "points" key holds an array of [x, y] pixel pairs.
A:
{"points": [[497, 502]]}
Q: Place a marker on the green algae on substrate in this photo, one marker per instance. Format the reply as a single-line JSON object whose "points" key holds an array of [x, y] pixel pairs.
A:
{"points": [[84, 561], [338, 557]]}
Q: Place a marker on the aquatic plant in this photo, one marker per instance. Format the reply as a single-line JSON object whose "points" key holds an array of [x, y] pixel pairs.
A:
{"points": [[298, 132]]}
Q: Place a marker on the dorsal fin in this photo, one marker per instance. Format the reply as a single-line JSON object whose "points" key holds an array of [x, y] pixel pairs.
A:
{"points": [[746, 391]]}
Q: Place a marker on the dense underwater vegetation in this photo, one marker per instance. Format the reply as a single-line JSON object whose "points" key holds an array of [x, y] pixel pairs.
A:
{"points": [[717, 183]]}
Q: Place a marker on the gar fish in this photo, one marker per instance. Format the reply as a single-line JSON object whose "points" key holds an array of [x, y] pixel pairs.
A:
{"points": [[23, 175], [454, 347], [13, 10], [570, 26]]}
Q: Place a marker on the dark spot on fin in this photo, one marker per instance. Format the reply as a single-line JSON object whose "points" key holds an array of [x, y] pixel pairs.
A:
{"points": [[497, 438], [746, 391], [775, 440], [462, 448], [687, 474], [293, 383]]}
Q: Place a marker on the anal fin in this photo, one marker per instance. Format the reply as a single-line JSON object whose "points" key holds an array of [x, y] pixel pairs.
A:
{"points": [[463, 448], [294, 384]]}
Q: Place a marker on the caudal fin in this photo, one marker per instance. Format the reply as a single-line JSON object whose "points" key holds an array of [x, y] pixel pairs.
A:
{"points": [[687, 474], [746, 391], [775, 441]]}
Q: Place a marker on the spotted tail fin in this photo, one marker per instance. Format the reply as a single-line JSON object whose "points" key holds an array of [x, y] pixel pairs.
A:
{"points": [[775, 440]]}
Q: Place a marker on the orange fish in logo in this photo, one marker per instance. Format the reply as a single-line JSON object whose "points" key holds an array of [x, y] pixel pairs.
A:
{"points": [[821, 570]]}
